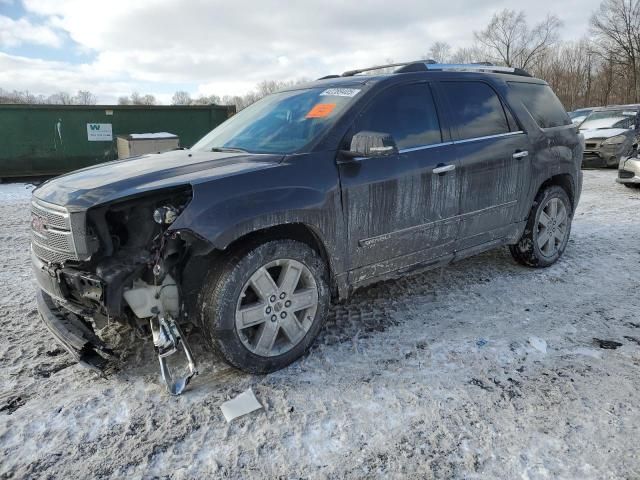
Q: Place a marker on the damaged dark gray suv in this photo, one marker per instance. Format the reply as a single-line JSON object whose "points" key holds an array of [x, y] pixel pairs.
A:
{"points": [[299, 199]]}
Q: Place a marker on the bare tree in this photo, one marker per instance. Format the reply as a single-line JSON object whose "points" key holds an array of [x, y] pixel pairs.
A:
{"points": [[85, 97], [207, 100], [469, 55], [512, 42], [181, 98], [138, 99], [440, 52], [60, 98], [124, 100], [616, 26]]}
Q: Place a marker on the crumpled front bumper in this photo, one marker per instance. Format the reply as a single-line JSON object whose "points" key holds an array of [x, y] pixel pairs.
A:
{"points": [[598, 154], [74, 333]]}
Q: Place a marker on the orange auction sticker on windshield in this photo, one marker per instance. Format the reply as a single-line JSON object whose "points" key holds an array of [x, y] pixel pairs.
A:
{"points": [[321, 110]]}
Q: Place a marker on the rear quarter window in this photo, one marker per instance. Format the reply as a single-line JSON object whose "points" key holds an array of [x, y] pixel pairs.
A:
{"points": [[542, 104], [476, 110]]}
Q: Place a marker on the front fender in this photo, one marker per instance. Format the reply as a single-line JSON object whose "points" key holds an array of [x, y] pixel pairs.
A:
{"points": [[223, 211]]}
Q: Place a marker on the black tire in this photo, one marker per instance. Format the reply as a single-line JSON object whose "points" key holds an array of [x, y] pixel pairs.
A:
{"points": [[220, 297], [527, 251], [632, 185]]}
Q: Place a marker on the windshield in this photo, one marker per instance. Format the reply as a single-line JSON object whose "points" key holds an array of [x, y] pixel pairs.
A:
{"points": [[579, 113], [282, 123], [609, 119]]}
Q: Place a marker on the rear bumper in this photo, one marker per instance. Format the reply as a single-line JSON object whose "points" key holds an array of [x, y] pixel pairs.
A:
{"points": [[73, 333]]}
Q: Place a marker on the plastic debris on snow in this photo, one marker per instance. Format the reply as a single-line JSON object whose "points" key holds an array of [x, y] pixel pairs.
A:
{"points": [[539, 344], [244, 403]]}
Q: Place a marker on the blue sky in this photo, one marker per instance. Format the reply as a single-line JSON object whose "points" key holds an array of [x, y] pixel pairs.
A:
{"points": [[214, 47]]}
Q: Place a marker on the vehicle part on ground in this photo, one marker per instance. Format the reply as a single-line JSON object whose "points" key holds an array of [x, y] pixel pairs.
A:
{"points": [[241, 405], [265, 306], [547, 231], [167, 340]]}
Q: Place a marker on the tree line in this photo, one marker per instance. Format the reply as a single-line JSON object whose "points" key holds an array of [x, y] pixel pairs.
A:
{"points": [[602, 68]]}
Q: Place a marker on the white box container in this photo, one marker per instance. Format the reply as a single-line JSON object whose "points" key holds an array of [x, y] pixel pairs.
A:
{"points": [[136, 144]]}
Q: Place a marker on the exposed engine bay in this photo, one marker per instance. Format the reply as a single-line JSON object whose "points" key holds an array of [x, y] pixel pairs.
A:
{"points": [[131, 273]]}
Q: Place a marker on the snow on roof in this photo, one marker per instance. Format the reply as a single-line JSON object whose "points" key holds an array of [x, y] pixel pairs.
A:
{"points": [[148, 136]]}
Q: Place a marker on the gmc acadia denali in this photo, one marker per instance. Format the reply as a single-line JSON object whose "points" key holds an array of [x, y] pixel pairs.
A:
{"points": [[299, 199]]}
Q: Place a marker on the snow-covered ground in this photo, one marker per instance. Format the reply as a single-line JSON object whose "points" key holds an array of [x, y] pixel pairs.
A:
{"points": [[482, 370]]}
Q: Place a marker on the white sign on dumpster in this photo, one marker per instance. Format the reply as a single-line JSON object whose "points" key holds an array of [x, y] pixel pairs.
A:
{"points": [[99, 132]]}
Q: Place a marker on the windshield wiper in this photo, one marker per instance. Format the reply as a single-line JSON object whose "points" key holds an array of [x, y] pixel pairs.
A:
{"points": [[228, 149]]}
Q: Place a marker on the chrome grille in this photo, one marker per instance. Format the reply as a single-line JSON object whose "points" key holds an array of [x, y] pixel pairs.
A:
{"points": [[54, 218], [51, 236]]}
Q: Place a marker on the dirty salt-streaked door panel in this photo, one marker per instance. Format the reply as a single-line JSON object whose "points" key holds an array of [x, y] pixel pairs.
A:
{"points": [[491, 182], [395, 206], [486, 138]]}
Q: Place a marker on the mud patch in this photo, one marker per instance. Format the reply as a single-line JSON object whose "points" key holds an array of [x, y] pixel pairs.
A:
{"points": [[632, 339], [607, 344], [46, 370], [12, 404]]}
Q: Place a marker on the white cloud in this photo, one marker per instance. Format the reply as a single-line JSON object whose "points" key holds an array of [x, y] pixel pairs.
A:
{"points": [[14, 33], [48, 77], [226, 47]]}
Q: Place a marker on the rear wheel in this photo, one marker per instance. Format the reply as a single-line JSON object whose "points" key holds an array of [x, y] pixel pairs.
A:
{"points": [[547, 231], [265, 306]]}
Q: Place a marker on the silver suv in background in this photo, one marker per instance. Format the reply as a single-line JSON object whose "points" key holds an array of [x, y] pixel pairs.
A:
{"points": [[611, 134]]}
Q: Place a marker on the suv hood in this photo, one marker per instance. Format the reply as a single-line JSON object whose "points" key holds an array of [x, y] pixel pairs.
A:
{"points": [[110, 181], [604, 132]]}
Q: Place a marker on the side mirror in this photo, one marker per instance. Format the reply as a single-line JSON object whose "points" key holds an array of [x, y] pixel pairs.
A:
{"points": [[371, 144]]}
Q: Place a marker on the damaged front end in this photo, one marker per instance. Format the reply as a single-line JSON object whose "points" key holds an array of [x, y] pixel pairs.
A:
{"points": [[116, 262]]}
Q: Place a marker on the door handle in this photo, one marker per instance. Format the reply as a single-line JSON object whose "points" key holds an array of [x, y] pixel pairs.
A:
{"points": [[521, 154], [443, 169]]}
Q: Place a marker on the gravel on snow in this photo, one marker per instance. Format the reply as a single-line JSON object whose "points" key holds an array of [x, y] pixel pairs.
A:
{"points": [[484, 369]]}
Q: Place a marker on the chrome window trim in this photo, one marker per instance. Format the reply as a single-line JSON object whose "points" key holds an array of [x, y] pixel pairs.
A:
{"points": [[425, 147], [488, 137], [466, 140]]}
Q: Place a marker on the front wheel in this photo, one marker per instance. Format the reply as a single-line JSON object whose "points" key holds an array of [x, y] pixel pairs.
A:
{"points": [[263, 307], [547, 231]]}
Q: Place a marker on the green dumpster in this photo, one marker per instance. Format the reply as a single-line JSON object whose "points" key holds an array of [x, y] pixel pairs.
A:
{"points": [[53, 139]]}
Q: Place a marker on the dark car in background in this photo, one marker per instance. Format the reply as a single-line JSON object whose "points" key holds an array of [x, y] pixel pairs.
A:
{"points": [[301, 198], [611, 134]]}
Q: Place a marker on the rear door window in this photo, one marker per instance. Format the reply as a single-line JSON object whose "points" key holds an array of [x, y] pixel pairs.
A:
{"points": [[407, 112], [542, 104], [476, 110]]}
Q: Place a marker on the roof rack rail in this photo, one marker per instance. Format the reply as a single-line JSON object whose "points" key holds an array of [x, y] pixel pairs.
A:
{"points": [[461, 67], [432, 65], [351, 73]]}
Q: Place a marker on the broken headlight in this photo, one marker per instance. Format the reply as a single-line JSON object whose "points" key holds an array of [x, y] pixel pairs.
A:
{"points": [[165, 215]]}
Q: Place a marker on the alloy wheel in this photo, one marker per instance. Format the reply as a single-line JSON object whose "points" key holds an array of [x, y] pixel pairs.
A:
{"points": [[552, 227], [276, 307]]}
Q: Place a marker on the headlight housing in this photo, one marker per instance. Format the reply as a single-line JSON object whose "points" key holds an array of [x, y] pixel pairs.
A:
{"points": [[617, 140]]}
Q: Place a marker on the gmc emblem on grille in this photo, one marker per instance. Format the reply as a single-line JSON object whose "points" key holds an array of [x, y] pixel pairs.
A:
{"points": [[38, 225]]}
